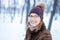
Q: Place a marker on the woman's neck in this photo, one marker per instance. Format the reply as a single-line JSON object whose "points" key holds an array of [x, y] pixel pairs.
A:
{"points": [[38, 27]]}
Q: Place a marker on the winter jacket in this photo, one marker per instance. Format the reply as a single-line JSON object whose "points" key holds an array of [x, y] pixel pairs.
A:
{"points": [[41, 34]]}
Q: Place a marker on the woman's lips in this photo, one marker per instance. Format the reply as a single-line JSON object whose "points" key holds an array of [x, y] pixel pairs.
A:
{"points": [[33, 22]]}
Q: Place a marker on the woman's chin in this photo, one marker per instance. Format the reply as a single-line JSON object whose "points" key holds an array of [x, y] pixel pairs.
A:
{"points": [[33, 25]]}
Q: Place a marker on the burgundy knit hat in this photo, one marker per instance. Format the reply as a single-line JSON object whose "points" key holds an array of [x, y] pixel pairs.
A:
{"points": [[38, 10]]}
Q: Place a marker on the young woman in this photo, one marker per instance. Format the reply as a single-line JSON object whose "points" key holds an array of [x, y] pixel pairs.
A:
{"points": [[36, 29]]}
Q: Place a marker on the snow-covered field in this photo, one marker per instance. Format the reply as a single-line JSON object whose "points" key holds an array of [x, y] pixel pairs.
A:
{"points": [[55, 30], [16, 31], [11, 31], [55, 27]]}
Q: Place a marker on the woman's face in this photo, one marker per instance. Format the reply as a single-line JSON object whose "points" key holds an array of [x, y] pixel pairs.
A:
{"points": [[34, 19]]}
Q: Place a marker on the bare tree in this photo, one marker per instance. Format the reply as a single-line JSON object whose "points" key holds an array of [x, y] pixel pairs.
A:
{"points": [[52, 14], [27, 9]]}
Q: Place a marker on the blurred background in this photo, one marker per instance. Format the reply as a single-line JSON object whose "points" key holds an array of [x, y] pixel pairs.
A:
{"points": [[14, 16]]}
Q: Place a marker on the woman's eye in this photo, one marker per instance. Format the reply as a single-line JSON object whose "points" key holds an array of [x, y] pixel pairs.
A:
{"points": [[34, 16]]}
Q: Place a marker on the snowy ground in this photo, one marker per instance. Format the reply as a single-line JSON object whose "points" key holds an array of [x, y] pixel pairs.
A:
{"points": [[16, 31], [56, 29], [11, 31]]}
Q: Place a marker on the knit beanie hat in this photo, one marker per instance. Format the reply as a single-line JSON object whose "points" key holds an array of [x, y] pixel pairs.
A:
{"points": [[39, 9]]}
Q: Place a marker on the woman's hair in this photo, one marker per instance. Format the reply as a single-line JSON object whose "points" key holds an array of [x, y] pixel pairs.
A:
{"points": [[27, 24]]}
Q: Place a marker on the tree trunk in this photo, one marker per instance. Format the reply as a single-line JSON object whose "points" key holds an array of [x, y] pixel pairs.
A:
{"points": [[52, 14]]}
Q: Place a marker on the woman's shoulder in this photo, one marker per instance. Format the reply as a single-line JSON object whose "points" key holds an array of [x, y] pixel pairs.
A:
{"points": [[46, 32], [46, 35]]}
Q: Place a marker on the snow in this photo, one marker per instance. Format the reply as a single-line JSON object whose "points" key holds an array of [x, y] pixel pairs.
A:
{"points": [[16, 31], [55, 30], [11, 31]]}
